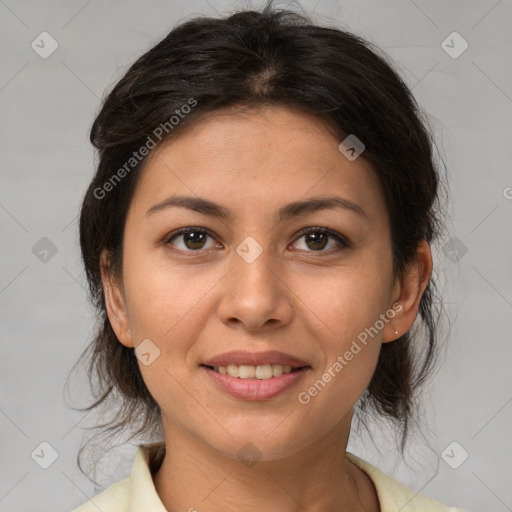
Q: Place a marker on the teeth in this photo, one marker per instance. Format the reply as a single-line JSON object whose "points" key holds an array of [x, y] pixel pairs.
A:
{"points": [[277, 370], [232, 370], [246, 372], [262, 372]]}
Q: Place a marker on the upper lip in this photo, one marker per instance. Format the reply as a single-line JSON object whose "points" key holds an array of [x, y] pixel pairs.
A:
{"points": [[243, 357]]}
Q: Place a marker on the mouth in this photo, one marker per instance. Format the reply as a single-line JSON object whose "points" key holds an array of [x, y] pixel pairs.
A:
{"points": [[260, 372], [255, 382], [249, 375]]}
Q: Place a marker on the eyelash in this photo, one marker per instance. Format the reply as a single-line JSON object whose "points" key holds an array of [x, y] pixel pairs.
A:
{"points": [[342, 240]]}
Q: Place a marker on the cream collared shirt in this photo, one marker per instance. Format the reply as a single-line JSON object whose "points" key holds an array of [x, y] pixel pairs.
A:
{"points": [[137, 492]]}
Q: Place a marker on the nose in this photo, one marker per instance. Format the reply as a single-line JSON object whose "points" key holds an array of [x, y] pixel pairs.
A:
{"points": [[255, 295]]}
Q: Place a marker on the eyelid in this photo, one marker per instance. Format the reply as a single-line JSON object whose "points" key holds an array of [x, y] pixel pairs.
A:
{"points": [[188, 229]]}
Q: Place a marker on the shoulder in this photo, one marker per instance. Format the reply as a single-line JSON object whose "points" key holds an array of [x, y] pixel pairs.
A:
{"points": [[136, 492], [114, 498], [395, 496]]}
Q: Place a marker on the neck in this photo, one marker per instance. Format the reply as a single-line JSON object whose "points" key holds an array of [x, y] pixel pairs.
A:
{"points": [[196, 477]]}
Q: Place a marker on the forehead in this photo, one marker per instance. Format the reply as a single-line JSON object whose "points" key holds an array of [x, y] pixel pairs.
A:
{"points": [[245, 130], [257, 158]]}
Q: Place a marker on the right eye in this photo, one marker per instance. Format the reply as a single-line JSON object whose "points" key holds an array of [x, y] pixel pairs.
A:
{"points": [[193, 239]]}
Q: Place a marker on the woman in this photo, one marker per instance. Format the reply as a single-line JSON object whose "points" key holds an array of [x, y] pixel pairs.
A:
{"points": [[257, 243]]}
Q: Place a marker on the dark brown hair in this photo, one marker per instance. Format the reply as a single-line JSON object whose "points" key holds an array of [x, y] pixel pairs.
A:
{"points": [[252, 59]]}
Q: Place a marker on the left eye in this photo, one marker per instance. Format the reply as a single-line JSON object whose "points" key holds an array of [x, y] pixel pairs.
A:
{"points": [[317, 238]]}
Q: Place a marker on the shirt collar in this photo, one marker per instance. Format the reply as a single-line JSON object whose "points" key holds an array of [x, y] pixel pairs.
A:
{"points": [[143, 495]]}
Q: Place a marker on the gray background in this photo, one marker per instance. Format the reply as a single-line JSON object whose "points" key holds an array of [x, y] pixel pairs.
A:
{"points": [[47, 107]]}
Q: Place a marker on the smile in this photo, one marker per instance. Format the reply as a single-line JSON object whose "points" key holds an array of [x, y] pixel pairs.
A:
{"points": [[261, 372], [253, 383]]}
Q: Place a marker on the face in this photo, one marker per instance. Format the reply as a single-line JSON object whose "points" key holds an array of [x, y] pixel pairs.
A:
{"points": [[303, 281]]}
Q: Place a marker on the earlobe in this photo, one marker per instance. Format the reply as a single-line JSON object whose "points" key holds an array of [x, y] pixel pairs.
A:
{"points": [[408, 294], [115, 303]]}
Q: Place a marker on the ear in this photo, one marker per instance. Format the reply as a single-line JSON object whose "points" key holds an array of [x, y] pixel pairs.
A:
{"points": [[115, 300], [407, 293]]}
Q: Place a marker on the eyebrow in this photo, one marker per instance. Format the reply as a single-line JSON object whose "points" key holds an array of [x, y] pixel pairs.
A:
{"points": [[297, 208]]}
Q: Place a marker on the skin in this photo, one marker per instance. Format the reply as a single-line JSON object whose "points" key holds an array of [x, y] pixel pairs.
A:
{"points": [[202, 299]]}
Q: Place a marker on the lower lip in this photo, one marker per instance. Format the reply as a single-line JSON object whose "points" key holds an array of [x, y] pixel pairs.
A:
{"points": [[255, 389]]}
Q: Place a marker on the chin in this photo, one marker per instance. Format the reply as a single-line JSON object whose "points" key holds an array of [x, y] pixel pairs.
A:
{"points": [[255, 444]]}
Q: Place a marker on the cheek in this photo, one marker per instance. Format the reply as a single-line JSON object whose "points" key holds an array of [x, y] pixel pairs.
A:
{"points": [[345, 318], [350, 347], [162, 296], [345, 301], [330, 397]]}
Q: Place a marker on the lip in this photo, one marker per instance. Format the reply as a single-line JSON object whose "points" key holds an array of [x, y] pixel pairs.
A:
{"points": [[255, 389], [244, 357]]}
